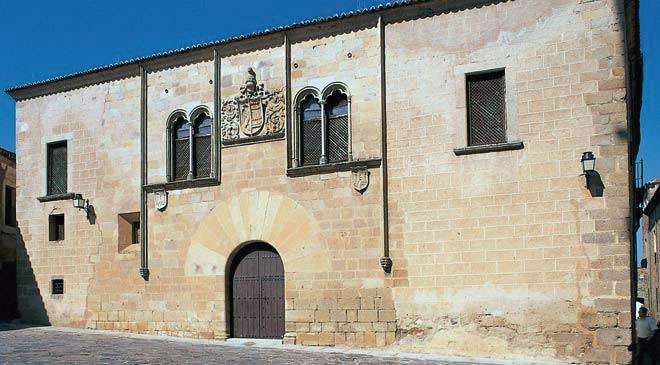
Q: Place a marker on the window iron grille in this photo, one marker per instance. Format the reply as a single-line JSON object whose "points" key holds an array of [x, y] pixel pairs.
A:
{"points": [[57, 286], [486, 106], [57, 168]]}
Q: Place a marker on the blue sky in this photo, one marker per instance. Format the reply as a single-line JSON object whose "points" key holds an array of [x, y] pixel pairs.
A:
{"points": [[62, 37]]}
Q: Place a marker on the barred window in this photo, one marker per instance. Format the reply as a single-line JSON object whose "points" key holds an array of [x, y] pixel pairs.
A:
{"points": [[202, 145], [310, 131], [180, 149], [337, 126], [486, 108], [56, 168], [57, 286]]}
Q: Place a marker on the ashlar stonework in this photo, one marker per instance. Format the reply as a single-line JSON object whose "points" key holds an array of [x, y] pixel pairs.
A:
{"points": [[501, 253]]}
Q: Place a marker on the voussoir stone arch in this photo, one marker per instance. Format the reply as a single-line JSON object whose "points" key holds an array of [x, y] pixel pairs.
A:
{"points": [[302, 94], [332, 87], [257, 216], [174, 117], [195, 112]]}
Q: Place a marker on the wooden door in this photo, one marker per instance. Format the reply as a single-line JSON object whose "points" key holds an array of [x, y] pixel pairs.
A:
{"points": [[257, 305]]}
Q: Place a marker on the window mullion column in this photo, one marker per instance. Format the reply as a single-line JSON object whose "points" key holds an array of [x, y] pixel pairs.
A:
{"points": [[295, 140], [191, 137], [324, 155]]}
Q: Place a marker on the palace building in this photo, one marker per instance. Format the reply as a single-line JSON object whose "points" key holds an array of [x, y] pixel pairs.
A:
{"points": [[418, 175]]}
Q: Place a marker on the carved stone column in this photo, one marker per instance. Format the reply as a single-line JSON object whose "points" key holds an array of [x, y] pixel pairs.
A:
{"points": [[190, 149], [324, 153], [294, 139]]}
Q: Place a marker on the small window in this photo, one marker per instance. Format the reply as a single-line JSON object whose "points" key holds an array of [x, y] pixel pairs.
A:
{"points": [[57, 286], [337, 119], [486, 108], [202, 146], [128, 230], [56, 227], [181, 149], [56, 168], [310, 131], [10, 206]]}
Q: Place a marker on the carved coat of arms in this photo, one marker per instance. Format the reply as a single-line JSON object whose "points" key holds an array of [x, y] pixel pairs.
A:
{"points": [[160, 199], [360, 180], [253, 113]]}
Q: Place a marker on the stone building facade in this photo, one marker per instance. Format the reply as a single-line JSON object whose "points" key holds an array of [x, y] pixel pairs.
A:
{"points": [[8, 234], [650, 252], [379, 220]]}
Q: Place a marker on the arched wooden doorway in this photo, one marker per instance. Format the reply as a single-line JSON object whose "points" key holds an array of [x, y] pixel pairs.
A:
{"points": [[256, 292]]}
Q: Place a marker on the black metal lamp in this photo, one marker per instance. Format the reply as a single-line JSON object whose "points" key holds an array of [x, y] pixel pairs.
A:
{"points": [[79, 202], [593, 182], [588, 162]]}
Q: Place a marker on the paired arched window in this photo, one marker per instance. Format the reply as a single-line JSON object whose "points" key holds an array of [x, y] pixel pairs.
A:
{"points": [[323, 127], [190, 146]]}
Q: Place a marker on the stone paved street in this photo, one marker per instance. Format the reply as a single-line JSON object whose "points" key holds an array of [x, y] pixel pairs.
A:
{"points": [[57, 346]]}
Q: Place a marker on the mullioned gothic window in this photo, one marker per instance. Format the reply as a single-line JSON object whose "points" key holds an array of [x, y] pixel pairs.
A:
{"points": [[322, 132], [189, 146]]}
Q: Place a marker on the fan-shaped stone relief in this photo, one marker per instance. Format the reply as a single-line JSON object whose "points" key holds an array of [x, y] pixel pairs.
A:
{"points": [[257, 216]]}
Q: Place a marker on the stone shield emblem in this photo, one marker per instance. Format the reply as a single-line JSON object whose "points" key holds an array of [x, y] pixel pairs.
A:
{"points": [[361, 180], [252, 117], [160, 199]]}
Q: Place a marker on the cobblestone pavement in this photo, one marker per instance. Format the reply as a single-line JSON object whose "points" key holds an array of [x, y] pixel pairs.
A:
{"points": [[52, 346]]}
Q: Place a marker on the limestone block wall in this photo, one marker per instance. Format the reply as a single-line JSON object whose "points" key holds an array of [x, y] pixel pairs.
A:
{"points": [[181, 88], [101, 126], [507, 252], [351, 58]]}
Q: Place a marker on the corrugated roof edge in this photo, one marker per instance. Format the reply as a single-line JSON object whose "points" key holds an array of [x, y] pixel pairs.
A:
{"points": [[372, 9]]}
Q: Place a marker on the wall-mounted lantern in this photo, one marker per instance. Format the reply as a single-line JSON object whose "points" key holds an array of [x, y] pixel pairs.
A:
{"points": [[79, 202], [593, 181], [588, 162]]}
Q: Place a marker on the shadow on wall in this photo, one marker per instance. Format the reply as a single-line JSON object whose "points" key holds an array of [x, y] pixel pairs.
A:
{"points": [[31, 308]]}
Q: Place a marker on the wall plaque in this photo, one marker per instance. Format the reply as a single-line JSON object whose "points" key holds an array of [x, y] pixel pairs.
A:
{"points": [[360, 179], [160, 199]]}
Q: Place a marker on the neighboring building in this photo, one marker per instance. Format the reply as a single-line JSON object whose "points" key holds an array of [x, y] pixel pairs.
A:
{"points": [[8, 234], [650, 242], [406, 175], [642, 282]]}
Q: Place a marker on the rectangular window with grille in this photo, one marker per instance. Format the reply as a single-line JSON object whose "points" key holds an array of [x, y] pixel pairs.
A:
{"points": [[56, 168], [56, 227], [57, 286], [10, 206], [486, 108], [202, 156], [338, 138]]}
